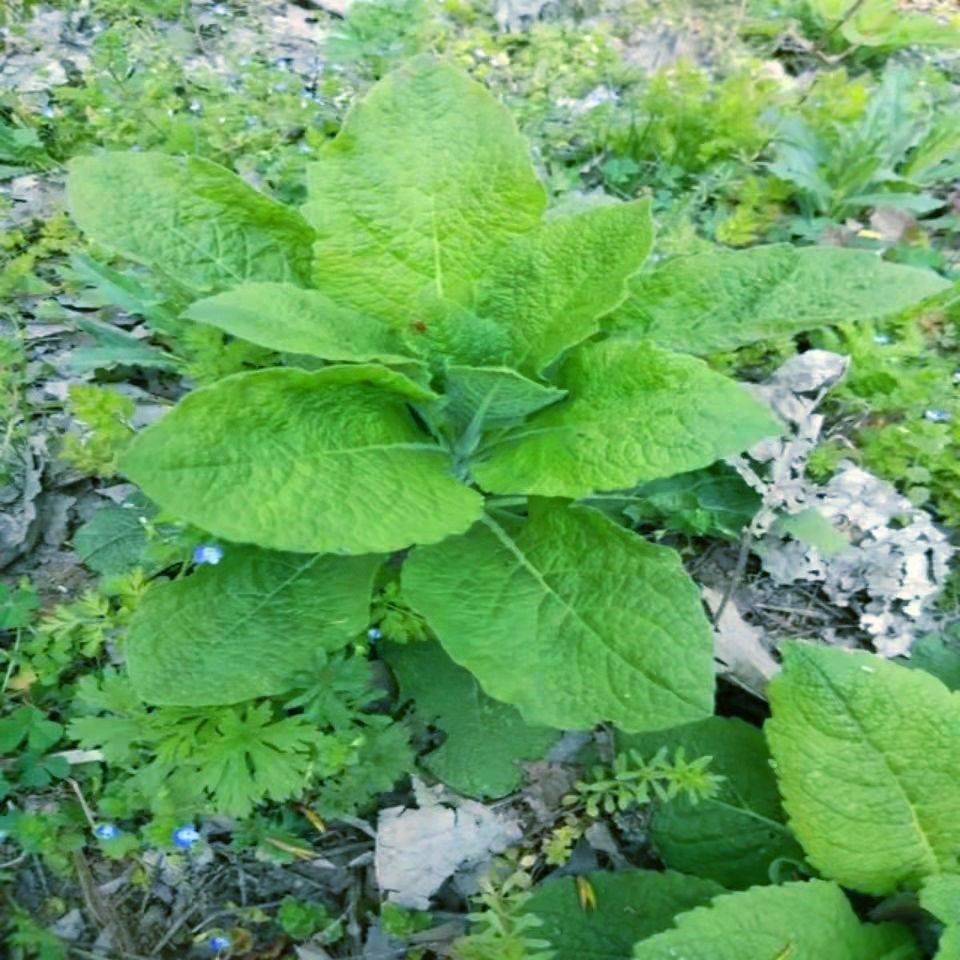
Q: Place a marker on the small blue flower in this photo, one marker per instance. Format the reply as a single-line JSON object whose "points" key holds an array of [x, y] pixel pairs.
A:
{"points": [[186, 836], [207, 553], [936, 415], [374, 633], [219, 943], [106, 831], [882, 339]]}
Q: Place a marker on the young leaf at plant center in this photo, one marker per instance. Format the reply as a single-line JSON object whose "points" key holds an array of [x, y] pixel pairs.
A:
{"points": [[734, 836], [571, 618], [325, 462], [716, 301], [190, 218], [635, 413], [283, 317], [478, 398], [867, 756], [443, 331], [427, 177], [713, 502], [940, 895], [486, 740], [114, 539], [796, 921], [548, 288], [245, 627], [631, 905]]}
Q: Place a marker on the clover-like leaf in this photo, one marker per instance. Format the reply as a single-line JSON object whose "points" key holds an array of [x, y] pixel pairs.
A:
{"points": [[330, 461], [571, 618]]}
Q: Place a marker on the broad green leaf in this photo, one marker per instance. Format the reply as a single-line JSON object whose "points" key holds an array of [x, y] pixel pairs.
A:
{"points": [[191, 218], [572, 619], [493, 396], [124, 290], [325, 462], [940, 895], [796, 921], [868, 758], [885, 23], [711, 502], [114, 539], [631, 905], [734, 836], [635, 413], [114, 347], [245, 627], [812, 528], [721, 300], [427, 177], [445, 331], [486, 740], [548, 288], [289, 319], [939, 655]]}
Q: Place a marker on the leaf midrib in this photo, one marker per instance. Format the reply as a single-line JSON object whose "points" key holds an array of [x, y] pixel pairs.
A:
{"points": [[881, 754], [512, 546]]}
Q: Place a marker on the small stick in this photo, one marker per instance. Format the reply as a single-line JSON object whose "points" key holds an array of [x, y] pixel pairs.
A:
{"points": [[737, 574], [87, 812]]}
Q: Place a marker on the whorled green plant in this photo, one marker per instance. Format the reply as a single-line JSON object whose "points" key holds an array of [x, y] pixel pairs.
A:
{"points": [[459, 370]]}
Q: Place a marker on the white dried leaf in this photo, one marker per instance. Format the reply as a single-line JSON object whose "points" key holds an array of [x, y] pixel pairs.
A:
{"points": [[811, 371], [897, 560], [418, 849], [739, 651]]}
